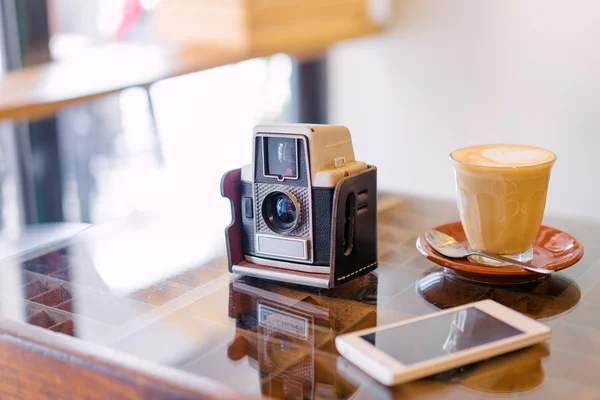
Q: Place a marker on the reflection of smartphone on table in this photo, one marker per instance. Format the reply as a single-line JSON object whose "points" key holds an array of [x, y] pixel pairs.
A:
{"points": [[426, 345]]}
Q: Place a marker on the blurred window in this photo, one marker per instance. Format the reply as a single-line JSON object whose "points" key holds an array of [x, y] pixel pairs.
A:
{"points": [[114, 162]]}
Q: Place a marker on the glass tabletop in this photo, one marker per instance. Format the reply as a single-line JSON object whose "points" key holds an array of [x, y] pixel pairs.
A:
{"points": [[150, 288]]}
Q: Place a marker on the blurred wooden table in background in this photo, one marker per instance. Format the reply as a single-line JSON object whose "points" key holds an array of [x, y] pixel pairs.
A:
{"points": [[200, 35]]}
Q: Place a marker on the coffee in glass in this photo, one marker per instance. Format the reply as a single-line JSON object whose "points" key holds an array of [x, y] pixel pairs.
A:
{"points": [[501, 197]]}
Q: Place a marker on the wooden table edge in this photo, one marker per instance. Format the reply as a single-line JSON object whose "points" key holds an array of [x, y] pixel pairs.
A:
{"points": [[182, 63], [27, 350]]}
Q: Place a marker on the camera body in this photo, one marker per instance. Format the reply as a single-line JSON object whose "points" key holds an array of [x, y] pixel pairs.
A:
{"points": [[305, 210]]}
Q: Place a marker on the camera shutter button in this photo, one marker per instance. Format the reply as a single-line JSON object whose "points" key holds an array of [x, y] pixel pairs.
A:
{"points": [[248, 212], [339, 162]]}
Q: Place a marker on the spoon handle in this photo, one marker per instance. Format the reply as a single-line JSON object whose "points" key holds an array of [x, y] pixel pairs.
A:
{"points": [[513, 262]]}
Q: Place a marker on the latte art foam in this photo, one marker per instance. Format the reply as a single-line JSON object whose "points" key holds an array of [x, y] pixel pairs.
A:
{"points": [[503, 155]]}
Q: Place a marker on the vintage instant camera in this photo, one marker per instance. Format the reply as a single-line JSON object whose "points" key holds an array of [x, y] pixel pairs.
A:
{"points": [[305, 210]]}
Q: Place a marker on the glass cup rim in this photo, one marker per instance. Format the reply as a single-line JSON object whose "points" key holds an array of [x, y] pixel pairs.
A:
{"points": [[552, 161]]}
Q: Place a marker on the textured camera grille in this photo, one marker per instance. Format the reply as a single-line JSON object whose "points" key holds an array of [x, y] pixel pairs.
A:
{"points": [[302, 194]]}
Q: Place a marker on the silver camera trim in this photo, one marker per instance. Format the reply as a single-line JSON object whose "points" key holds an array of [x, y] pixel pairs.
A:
{"points": [[309, 238], [319, 282], [313, 269], [303, 241]]}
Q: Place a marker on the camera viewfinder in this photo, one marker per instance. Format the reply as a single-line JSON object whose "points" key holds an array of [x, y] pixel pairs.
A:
{"points": [[281, 157]]}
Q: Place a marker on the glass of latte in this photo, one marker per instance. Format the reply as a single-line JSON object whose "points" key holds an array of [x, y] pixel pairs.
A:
{"points": [[501, 197]]}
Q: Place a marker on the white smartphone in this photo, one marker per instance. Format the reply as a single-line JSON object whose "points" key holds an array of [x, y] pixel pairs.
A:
{"points": [[426, 345]]}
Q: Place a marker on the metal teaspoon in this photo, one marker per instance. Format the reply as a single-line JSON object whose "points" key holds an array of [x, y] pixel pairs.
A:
{"points": [[450, 247]]}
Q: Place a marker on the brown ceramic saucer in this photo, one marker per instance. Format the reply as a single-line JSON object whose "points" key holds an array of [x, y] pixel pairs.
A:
{"points": [[553, 249]]}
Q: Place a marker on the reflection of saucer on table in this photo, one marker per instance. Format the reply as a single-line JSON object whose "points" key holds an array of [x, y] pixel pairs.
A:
{"points": [[511, 373], [553, 249], [539, 300]]}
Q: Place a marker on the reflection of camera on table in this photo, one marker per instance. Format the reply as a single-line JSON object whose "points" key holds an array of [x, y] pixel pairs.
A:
{"points": [[304, 210], [288, 335]]}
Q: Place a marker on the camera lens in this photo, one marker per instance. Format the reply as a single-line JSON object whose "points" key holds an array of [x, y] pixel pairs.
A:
{"points": [[280, 211]]}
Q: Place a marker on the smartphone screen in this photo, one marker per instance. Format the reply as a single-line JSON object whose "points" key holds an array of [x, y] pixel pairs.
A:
{"points": [[441, 335]]}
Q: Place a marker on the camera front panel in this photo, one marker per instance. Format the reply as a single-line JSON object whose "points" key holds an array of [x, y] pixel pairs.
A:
{"points": [[283, 210], [283, 223]]}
